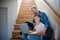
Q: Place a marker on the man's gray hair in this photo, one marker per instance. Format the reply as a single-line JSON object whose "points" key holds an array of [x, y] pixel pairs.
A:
{"points": [[33, 7]]}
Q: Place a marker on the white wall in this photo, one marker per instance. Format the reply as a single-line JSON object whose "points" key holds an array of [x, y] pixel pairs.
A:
{"points": [[12, 6], [42, 7]]}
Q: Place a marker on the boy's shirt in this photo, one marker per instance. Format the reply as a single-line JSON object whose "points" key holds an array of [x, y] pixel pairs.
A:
{"points": [[39, 27]]}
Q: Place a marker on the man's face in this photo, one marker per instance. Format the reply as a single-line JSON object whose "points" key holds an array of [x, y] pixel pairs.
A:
{"points": [[34, 10]]}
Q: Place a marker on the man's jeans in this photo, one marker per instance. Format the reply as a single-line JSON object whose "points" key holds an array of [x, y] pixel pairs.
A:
{"points": [[31, 37]]}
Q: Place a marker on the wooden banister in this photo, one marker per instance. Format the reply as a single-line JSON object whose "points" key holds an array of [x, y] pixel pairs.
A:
{"points": [[53, 13], [51, 7]]}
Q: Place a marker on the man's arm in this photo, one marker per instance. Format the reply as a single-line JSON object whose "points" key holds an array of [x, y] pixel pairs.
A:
{"points": [[46, 22]]}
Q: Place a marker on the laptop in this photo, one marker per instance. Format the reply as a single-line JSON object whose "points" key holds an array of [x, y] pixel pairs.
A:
{"points": [[24, 28]]}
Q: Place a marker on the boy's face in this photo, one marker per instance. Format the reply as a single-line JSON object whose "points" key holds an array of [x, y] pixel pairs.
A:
{"points": [[36, 19]]}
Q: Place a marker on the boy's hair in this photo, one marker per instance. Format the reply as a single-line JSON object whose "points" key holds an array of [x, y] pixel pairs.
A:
{"points": [[35, 16]]}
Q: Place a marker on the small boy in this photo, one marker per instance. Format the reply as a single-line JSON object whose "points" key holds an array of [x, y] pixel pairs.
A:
{"points": [[39, 27]]}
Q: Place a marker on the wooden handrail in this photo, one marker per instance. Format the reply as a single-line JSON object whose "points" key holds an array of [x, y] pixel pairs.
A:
{"points": [[51, 8], [53, 13]]}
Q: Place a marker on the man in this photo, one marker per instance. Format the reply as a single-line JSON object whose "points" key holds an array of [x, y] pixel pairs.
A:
{"points": [[43, 19]]}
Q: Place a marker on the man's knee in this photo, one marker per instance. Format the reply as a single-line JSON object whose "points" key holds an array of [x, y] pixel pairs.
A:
{"points": [[29, 37], [24, 36], [34, 37]]}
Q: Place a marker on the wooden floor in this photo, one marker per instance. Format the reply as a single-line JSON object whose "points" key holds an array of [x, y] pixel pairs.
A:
{"points": [[25, 14]]}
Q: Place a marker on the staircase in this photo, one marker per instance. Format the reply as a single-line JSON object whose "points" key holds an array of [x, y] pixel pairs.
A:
{"points": [[24, 14]]}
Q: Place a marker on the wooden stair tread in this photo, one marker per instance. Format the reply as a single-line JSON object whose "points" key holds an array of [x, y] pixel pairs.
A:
{"points": [[26, 10], [15, 38], [17, 24], [16, 31], [17, 27], [25, 16], [20, 21], [24, 19], [25, 13]]}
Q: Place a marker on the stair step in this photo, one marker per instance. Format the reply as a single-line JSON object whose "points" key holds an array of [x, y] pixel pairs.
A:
{"points": [[15, 33], [17, 27], [19, 21], [25, 16], [32, 3], [25, 19], [19, 38], [23, 2], [25, 13], [14, 39], [25, 8]]}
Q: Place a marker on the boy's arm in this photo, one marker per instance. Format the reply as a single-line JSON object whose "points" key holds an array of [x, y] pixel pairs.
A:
{"points": [[40, 33]]}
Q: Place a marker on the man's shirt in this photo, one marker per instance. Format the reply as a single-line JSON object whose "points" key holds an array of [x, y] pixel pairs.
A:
{"points": [[43, 18]]}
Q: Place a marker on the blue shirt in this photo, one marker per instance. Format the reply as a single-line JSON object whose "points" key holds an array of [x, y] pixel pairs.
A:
{"points": [[43, 19]]}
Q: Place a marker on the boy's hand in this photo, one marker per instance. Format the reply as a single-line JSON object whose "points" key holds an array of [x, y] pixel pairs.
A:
{"points": [[33, 33]]}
